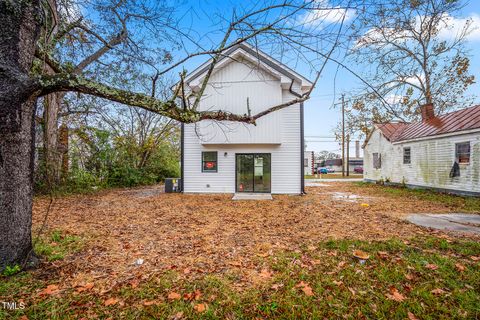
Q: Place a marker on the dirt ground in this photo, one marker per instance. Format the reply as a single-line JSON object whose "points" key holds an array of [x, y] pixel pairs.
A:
{"points": [[199, 234]]}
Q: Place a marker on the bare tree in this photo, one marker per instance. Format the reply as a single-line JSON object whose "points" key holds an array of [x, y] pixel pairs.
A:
{"points": [[412, 55], [326, 155], [88, 44], [22, 81]]}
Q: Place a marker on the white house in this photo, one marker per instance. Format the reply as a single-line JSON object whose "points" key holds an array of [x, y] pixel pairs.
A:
{"points": [[438, 152], [308, 163], [230, 157]]}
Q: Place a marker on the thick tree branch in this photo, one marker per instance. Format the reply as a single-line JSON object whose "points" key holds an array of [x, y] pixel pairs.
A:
{"points": [[167, 108], [49, 60], [100, 52], [75, 83]]}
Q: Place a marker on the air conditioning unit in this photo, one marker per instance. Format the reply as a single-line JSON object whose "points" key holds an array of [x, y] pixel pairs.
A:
{"points": [[173, 185]]}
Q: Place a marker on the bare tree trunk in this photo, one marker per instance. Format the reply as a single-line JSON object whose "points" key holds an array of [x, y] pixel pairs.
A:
{"points": [[50, 137], [63, 150], [20, 24]]}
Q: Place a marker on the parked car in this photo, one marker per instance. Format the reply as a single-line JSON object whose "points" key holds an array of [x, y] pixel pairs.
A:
{"points": [[358, 170], [331, 170], [323, 170]]}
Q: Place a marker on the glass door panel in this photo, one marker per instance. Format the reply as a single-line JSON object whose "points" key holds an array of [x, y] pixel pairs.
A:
{"points": [[262, 176], [244, 164]]}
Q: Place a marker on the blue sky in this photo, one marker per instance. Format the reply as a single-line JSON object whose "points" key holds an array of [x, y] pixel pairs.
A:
{"points": [[320, 115], [321, 118]]}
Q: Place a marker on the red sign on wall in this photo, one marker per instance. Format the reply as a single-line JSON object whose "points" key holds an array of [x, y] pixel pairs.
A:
{"points": [[210, 165]]}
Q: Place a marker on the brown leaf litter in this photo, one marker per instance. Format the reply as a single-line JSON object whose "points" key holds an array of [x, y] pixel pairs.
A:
{"points": [[198, 234]]}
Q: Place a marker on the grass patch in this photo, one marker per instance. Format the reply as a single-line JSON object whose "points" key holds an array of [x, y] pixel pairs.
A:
{"points": [[468, 204], [56, 245], [435, 278]]}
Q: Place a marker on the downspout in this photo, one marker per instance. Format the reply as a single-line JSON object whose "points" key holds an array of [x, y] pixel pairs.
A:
{"points": [[302, 140], [302, 151], [290, 89]]}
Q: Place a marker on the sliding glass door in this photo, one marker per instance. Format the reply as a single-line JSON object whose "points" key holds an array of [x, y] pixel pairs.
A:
{"points": [[253, 172]]}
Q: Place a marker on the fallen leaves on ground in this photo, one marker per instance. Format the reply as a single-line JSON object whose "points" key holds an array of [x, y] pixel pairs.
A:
{"points": [[305, 287], [411, 316], [174, 296], [211, 234], [395, 295], [337, 283], [276, 286], [85, 287], [409, 276], [50, 290], [382, 254], [265, 274], [460, 267], [431, 266], [196, 295], [201, 307], [361, 255], [110, 302], [438, 291]]}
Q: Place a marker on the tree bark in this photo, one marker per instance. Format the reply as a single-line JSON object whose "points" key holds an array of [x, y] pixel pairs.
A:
{"points": [[20, 23], [50, 137], [63, 150]]}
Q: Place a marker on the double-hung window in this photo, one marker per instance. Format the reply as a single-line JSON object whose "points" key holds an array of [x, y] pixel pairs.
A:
{"points": [[462, 152], [407, 155], [209, 161], [377, 160]]}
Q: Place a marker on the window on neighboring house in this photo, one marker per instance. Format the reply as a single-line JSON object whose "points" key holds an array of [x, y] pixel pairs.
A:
{"points": [[209, 161], [377, 160], [462, 152], [407, 155], [305, 162]]}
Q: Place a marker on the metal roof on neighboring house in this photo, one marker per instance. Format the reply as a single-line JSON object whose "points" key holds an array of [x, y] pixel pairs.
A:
{"points": [[461, 120], [390, 128]]}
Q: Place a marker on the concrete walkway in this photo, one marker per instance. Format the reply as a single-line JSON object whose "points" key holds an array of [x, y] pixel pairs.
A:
{"points": [[252, 196], [451, 222]]}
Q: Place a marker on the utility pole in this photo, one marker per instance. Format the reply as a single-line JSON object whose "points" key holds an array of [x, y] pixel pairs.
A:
{"points": [[348, 155], [343, 135]]}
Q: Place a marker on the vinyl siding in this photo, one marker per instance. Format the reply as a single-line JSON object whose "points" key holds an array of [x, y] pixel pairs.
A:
{"points": [[229, 89], [277, 133], [431, 162]]}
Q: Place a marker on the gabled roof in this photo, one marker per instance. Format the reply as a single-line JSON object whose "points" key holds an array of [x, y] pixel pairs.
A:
{"points": [[391, 129], [453, 122], [255, 55]]}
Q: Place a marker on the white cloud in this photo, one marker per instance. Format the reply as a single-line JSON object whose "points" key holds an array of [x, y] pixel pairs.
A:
{"points": [[449, 29], [452, 27], [393, 98], [325, 13]]}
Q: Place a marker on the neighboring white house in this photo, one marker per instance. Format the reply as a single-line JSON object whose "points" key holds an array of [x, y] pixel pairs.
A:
{"points": [[229, 157], [336, 164], [308, 162], [439, 152]]}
